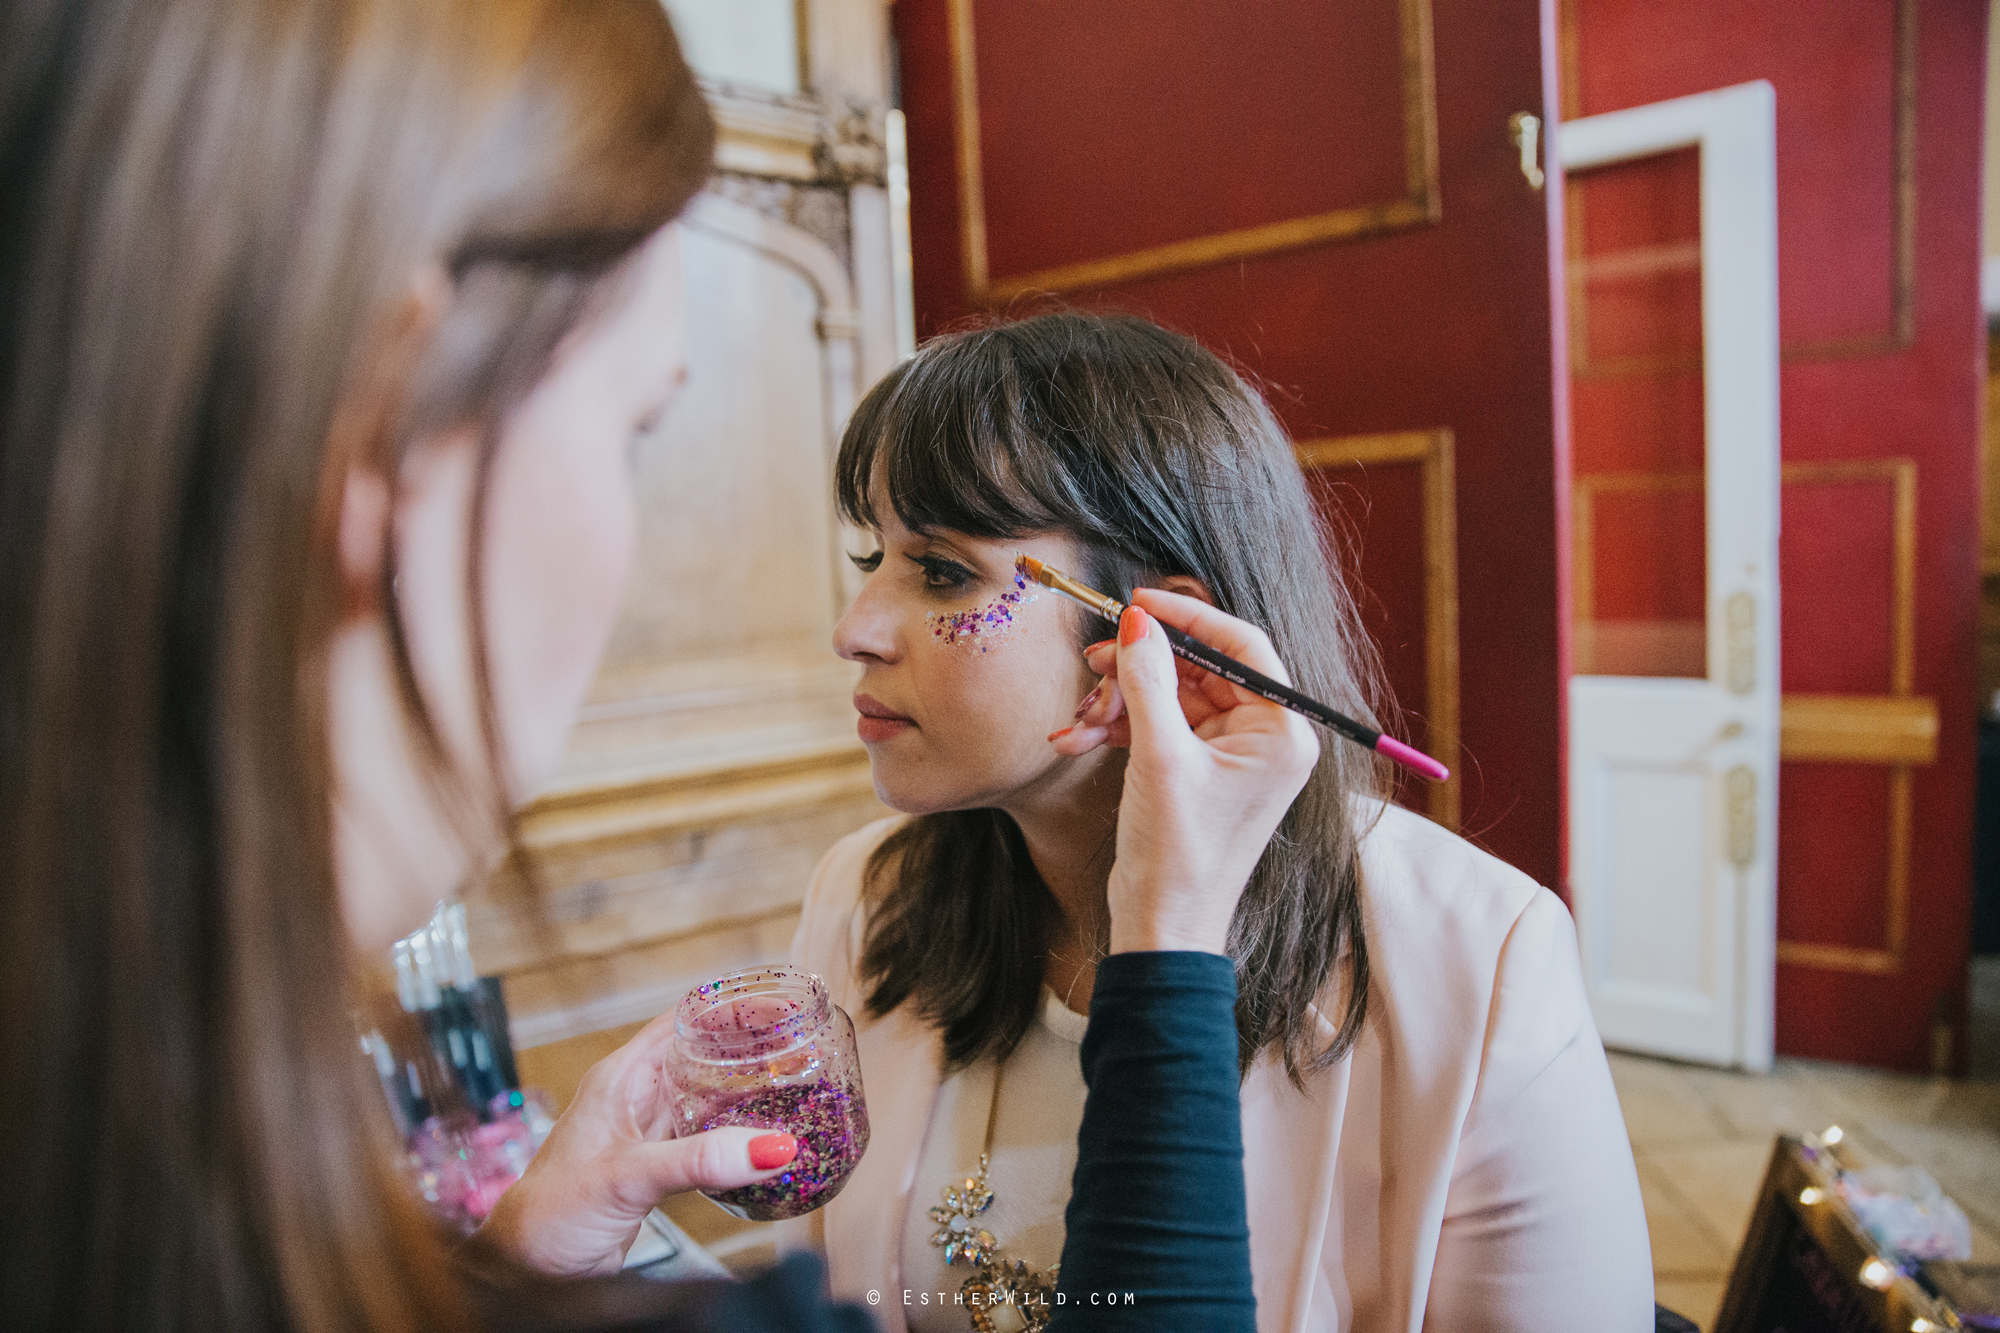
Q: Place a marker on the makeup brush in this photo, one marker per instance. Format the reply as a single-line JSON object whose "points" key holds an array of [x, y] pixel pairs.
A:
{"points": [[1233, 671]]}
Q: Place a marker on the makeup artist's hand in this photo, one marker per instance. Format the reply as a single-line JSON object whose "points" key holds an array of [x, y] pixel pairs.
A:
{"points": [[1213, 769], [608, 1162]]}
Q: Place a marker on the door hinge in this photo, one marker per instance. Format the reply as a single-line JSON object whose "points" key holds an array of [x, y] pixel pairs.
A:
{"points": [[1739, 641], [1740, 790]]}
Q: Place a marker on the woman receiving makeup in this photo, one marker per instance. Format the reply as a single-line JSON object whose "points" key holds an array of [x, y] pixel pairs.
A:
{"points": [[326, 330], [1432, 1137]]}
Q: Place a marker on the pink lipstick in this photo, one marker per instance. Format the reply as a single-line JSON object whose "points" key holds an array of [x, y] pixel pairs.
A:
{"points": [[878, 722]]}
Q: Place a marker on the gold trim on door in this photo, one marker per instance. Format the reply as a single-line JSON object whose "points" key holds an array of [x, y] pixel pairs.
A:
{"points": [[1888, 959], [1902, 330], [1857, 729], [1740, 795], [1420, 205], [1432, 450], [1896, 729], [1583, 548], [1901, 474]]}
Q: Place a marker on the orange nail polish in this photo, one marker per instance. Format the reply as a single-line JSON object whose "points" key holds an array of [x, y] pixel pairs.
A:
{"points": [[1131, 627], [1057, 735], [769, 1150], [1088, 700], [1101, 643]]}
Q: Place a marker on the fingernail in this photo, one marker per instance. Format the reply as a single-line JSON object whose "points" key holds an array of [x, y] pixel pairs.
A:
{"points": [[1101, 643], [1056, 735], [1088, 700], [769, 1150], [1131, 627]]}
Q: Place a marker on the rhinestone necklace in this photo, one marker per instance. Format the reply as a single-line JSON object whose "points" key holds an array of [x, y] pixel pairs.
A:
{"points": [[1002, 1295]]}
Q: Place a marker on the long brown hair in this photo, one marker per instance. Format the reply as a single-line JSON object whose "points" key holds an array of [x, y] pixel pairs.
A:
{"points": [[1156, 457], [211, 208]]}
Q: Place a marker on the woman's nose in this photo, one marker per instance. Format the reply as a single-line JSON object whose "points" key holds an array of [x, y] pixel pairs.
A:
{"points": [[868, 632]]}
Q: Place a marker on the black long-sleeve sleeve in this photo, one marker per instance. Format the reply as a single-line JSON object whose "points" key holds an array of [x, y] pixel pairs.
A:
{"points": [[1158, 1234]]}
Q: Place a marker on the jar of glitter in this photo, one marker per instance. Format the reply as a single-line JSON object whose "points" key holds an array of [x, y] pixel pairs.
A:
{"points": [[766, 1047]]}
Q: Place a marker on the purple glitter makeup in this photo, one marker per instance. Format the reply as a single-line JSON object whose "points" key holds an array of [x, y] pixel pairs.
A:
{"points": [[985, 627], [767, 1048]]}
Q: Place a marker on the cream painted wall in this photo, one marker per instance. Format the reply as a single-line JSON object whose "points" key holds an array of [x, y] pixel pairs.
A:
{"points": [[733, 557], [754, 43]]}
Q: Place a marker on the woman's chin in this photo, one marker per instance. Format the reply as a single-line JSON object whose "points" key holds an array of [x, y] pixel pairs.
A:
{"points": [[909, 794], [905, 803]]}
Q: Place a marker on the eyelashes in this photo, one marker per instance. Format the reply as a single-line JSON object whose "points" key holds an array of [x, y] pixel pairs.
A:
{"points": [[940, 575]]}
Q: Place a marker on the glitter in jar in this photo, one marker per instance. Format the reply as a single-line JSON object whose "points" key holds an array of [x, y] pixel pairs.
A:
{"points": [[766, 1048], [986, 626], [831, 1125]]}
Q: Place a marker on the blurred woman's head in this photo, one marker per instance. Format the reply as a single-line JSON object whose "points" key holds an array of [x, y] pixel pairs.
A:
{"points": [[324, 328], [1133, 457]]}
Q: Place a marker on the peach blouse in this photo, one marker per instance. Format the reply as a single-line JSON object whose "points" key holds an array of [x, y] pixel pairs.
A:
{"points": [[1465, 1167]]}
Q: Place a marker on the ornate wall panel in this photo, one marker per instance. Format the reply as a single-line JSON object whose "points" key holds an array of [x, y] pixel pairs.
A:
{"points": [[1850, 740], [1077, 141], [1348, 473], [1847, 148]]}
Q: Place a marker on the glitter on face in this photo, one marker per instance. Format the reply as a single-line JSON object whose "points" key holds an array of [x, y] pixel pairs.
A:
{"points": [[985, 627]]}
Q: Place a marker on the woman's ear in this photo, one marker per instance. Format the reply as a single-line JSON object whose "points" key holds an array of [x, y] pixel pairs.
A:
{"points": [[366, 412], [363, 538], [1188, 586]]}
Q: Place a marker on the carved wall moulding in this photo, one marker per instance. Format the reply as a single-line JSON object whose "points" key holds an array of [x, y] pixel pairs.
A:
{"points": [[798, 136]]}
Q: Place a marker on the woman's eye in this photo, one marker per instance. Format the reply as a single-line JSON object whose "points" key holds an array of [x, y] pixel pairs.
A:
{"points": [[943, 575], [867, 564]]}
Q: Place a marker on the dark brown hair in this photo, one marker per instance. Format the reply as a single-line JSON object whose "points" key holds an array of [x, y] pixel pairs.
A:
{"points": [[1159, 460], [212, 208]]}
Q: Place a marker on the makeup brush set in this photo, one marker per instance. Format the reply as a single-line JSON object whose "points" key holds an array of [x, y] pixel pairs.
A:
{"points": [[447, 1068]]}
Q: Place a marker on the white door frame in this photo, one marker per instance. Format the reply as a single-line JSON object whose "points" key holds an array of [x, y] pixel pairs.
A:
{"points": [[1735, 130]]}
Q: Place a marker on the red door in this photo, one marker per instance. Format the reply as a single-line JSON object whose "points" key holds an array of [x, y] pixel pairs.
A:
{"points": [[1329, 195], [1878, 122]]}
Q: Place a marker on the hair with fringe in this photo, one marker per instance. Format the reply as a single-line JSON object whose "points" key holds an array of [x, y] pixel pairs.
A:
{"points": [[1159, 460]]}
